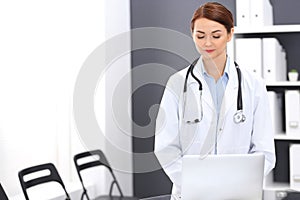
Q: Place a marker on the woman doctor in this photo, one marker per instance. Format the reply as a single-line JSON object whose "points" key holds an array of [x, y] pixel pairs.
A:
{"points": [[212, 119]]}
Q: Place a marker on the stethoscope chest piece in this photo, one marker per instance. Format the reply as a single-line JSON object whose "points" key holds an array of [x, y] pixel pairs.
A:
{"points": [[239, 117]]}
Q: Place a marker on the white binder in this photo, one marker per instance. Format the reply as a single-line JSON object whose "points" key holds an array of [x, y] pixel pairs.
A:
{"points": [[242, 13], [254, 12], [248, 53], [261, 12], [295, 166], [292, 112], [276, 104], [274, 61], [284, 64]]}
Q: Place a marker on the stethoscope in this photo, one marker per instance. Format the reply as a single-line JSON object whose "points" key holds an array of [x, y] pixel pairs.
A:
{"points": [[238, 117]]}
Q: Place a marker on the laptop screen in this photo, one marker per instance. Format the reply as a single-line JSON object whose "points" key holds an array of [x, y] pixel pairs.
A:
{"points": [[228, 176]]}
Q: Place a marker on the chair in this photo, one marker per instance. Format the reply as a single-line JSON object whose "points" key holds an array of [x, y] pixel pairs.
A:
{"points": [[100, 160], [53, 176], [3, 195]]}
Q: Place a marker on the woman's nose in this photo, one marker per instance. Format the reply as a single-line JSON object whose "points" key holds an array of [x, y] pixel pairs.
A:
{"points": [[207, 41]]}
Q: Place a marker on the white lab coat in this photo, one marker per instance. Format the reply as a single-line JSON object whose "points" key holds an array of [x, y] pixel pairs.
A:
{"points": [[175, 138]]}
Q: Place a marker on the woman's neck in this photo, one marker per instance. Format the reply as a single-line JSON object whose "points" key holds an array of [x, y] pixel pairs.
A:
{"points": [[215, 67]]}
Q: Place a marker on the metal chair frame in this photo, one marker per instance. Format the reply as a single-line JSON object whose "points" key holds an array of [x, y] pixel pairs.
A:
{"points": [[102, 161], [3, 195], [53, 176]]}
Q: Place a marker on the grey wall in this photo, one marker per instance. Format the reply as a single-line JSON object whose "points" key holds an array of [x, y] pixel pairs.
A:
{"points": [[286, 11]]}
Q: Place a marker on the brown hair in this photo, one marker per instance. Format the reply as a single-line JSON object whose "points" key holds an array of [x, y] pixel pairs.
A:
{"points": [[216, 12]]}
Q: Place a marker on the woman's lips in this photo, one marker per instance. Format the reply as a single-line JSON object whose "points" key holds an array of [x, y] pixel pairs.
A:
{"points": [[209, 51]]}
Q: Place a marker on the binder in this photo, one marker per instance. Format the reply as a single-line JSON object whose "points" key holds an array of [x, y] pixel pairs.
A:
{"points": [[248, 53], [292, 112], [254, 12], [261, 12], [243, 13], [295, 166], [284, 64], [276, 104], [274, 60]]}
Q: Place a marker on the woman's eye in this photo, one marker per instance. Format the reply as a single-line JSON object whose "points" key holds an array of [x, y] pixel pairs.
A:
{"points": [[200, 37], [216, 37]]}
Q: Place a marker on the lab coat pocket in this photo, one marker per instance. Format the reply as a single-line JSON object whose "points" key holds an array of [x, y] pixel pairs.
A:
{"points": [[188, 136]]}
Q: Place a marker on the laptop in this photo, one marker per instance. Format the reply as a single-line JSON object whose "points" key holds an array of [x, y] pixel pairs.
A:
{"points": [[222, 177]]}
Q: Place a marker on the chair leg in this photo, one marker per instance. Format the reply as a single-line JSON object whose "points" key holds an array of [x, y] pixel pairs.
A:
{"points": [[111, 188], [85, 194]]}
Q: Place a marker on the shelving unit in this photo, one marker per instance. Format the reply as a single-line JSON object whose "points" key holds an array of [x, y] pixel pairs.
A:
{"points": [[283, 136], [281, 86], [288, 35], [267, 29]]}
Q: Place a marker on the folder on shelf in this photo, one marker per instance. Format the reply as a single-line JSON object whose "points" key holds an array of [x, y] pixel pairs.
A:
{"points": [[275, 100], [248, 53], [295, 166], [292, 112], [243, 13], [261, 13], [283, 64], [254, 12], [274, 60]]}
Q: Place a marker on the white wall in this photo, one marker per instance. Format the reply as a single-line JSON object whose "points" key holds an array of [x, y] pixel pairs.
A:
{"points": [[118, 25], [116, 144], [43, 45], [119, 153]]}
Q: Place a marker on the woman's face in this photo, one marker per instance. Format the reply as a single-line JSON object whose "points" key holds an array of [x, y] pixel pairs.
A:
{"points": [[210, 38]]}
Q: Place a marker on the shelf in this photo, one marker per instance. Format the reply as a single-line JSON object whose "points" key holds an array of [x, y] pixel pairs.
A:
{"points": [[267, 29], [277, 186], [283, 85], [283, 136]]}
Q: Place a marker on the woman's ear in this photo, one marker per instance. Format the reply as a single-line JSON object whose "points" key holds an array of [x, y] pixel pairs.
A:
{"points": [[230, 35]]}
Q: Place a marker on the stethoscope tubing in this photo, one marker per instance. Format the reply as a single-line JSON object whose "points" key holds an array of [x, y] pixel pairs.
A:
{"points": [[239, 116]]}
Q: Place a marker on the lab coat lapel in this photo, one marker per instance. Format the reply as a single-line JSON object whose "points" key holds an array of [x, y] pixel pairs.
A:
{"points": [[230, 95], [209, 111]]}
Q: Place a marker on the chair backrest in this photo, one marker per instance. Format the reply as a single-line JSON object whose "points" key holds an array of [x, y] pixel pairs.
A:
{"points": [[53, 176], [3, 195], [97, 159]]}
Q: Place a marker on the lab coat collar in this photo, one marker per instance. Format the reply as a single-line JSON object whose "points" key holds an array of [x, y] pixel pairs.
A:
{"points": [[206, 96], [199, 70]]}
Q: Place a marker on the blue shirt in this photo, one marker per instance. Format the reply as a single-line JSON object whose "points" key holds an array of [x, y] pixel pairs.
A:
{"points": [[217, 89]]}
